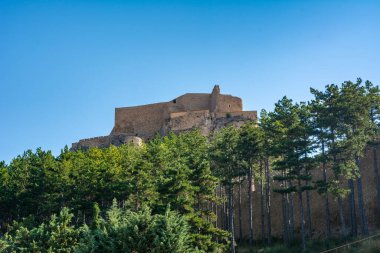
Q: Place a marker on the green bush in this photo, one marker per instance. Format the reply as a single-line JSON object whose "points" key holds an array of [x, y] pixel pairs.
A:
{"points": [[57, 235], [121, 231], [126, 231]]}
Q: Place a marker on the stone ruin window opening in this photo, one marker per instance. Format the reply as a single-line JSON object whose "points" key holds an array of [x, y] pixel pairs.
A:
{"points": [[174, 101]]}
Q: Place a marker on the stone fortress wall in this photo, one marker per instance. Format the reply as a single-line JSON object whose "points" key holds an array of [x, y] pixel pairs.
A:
{"points": [[203, 111], [317, 203]]}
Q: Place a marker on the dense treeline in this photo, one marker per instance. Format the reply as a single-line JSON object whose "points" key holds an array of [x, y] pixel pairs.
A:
{"points": [[197, 178], [172, 171]]}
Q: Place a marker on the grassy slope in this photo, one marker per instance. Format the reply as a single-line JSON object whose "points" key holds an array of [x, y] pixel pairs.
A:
{"points": [[370, 246]]}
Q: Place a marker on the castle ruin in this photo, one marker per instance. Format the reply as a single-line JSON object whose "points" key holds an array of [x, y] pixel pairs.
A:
{"points": [[202, 111]]}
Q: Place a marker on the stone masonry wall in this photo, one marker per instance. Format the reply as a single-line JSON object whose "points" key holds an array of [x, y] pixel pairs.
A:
{"points": [[147, 120], [194, 101], [143, 121], [227, 103], [203, 111], [317, 206]]}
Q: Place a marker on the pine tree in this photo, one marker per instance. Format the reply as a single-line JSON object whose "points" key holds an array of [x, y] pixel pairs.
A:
{"points": [[185, 182], [292, 145], [356, 123], [224, 155], [373, 94], [266, 127], [327, 115], [250, 147]]}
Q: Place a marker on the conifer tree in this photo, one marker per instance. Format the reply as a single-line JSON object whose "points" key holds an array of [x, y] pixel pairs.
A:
{"points": [[266, 127], [373, 94], [327, 117], [250, 147], [293, 143], [185, 182], [225, 157], [355, 129]]}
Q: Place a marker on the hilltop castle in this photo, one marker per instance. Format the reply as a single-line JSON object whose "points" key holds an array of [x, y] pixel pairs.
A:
{"points": [[202, 111]]}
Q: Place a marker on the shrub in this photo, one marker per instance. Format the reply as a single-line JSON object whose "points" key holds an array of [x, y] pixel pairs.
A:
{"points": [[121, 231], [57, 235], [126, 231]]}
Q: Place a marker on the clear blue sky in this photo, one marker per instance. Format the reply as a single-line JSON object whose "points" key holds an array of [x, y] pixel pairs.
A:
{"points": [[65, 65]]}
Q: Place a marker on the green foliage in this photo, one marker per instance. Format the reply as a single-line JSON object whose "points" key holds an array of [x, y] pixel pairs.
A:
{"points": [[185, 182], [292, 144], [121, 231], [29, 185], [57, 235], [174, 170], [225, 155], [96, 218], [250, 144], [344, 121], [126, 231]]}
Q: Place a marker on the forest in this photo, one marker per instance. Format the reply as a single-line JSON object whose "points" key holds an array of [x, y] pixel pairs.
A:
{"points": [[177, 193]]}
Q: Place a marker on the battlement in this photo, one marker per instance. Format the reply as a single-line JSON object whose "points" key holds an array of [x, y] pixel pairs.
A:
{"points": [[188, 111]]}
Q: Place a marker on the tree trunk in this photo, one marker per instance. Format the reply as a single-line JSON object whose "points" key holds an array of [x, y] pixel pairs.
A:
{"points": [[291, 211], [286, 214], [231, 217], [351, 196], [224, 209], [327, 204], [240, 221], [216, 209], [308, 206], [289, 218], [377, 181], [262, 203], [341, 213], [221, 211], [285, 220], [250, 209], [302, 219], [340, 203], [362, 217], [267, 202], [308, 210]]}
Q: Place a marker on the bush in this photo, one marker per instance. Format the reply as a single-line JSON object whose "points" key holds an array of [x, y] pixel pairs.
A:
{"points": [[121, 231], [55, 236], [126, 231]]}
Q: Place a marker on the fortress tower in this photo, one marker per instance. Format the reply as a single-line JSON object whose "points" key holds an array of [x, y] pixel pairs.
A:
{"points": [[203, 111]]}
